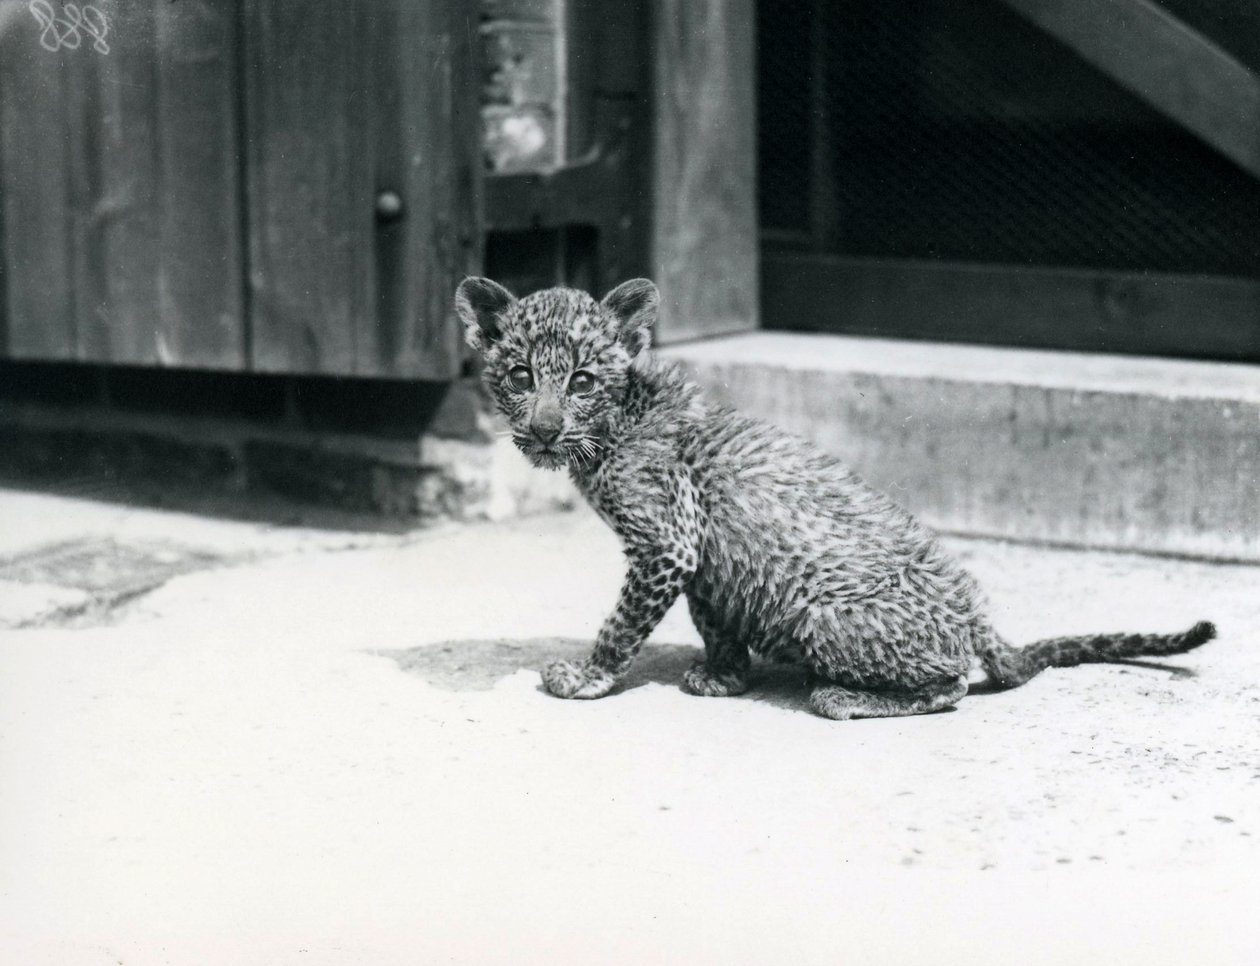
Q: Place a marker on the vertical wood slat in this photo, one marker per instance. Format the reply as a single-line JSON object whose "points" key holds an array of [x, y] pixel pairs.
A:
{"points": [[427, 137], [345, 102], [120, 190], [705, 234], [114, 184], [36, 258], [201, 285], [310, 202]]}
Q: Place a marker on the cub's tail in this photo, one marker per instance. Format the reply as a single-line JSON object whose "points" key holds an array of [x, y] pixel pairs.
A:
{"points": [[1010, 666]]}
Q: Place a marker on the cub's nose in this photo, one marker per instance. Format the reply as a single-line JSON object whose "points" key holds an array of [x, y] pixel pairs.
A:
{"points": [[546, 427]]}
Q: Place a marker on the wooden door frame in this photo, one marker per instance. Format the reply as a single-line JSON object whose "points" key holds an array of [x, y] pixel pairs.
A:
{"points": [[670, 182], [602, 188], [705, 247]]}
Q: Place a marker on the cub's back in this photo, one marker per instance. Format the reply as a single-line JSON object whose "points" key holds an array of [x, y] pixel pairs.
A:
{"points": [[752, 475], [785, 517]]}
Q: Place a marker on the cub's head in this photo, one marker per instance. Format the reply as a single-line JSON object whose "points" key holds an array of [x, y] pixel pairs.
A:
{"points": [[556, 362]]}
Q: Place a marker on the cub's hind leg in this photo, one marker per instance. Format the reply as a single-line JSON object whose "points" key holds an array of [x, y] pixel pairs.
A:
{"points": [[724, 671], [839, 702]]}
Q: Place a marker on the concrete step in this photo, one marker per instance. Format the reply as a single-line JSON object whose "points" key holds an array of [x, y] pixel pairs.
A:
{"points": [[1067, 448]]}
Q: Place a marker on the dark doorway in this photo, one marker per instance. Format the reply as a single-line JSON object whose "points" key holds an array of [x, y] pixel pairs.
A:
{"points": [[971, 170]]}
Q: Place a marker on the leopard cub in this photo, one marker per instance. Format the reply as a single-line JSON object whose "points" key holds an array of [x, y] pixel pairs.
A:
{"points": [[780, 550]]}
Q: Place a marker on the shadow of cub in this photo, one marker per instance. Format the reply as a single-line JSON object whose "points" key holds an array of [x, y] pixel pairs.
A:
{"points": [[478, 665]]}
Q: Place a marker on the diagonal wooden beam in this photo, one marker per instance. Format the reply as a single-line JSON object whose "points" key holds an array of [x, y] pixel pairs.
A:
{"points": [[1169, 65]]}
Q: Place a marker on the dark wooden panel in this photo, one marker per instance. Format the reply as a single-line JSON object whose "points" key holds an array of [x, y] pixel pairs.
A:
{"points": [[1172, 67], [35, 226], [824, 201], [426, 136], [705, 244], [1179, 315], [122, 237], [349, 104], [307, 120], [116, 181], [201, 277]]}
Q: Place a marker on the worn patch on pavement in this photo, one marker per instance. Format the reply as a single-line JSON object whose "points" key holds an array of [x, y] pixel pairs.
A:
{"points": [[104, 567]]}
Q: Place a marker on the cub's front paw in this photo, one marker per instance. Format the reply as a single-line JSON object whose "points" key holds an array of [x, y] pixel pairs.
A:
{"points": [[574, 679]]}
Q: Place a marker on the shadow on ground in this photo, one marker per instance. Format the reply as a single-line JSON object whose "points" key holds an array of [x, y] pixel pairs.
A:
{"points": [[477, 665], [255, 507]]}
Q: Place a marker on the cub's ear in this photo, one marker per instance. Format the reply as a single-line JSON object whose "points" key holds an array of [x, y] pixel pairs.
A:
{"points": [[481, 304], [633, 307]]}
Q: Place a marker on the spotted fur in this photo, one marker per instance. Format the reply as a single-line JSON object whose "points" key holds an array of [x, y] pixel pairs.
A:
{"points": [[780, 550]]}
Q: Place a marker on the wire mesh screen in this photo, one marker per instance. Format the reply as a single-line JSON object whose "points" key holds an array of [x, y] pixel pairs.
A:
{"points": [[1233, 25], [955, 130]]}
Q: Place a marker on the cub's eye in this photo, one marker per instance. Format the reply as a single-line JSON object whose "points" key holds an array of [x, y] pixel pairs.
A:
{"points": [[581, 383], [521, 379]]}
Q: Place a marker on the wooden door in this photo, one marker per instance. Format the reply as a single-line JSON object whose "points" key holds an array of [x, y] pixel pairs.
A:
{"points": [[253, 185], [120, 199]]}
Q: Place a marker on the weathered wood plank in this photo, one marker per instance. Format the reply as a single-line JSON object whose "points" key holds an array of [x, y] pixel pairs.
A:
{"points": [[705, 223], [362, 184], [309, 185], [1172, 67], [1082, 309], [621, 124], [121, 182], [201, 266], [426, 152], [116, 188], [36, 246]]}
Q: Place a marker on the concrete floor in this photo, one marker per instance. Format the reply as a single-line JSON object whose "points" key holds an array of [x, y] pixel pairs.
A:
{"points": [[318, 744]]}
